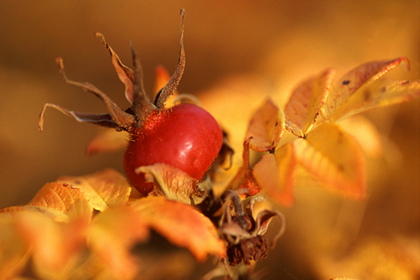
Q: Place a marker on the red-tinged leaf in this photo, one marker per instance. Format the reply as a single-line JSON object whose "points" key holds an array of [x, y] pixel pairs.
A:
{"points": [[109, 140], [366, 134], [55, 247], [275, 173], [101, 189], [306, 101], [394, 93], [112, 235], [182, 225], [173, 183], [334, 158], [58, 197], [13, 251], [354, 83], [266, 127]]}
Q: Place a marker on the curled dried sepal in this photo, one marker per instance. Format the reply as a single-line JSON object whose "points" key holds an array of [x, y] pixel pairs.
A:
{"points": [[141, 107], [171, 86], [125, 74], [244, 181], [116, 118]]}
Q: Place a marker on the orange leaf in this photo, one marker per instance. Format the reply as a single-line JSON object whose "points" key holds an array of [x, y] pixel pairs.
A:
{"points": [[266, 127], [101, 189], [354, 83], [173, 183], [112, 235], [182, 225], [108, 140], [62, 198], [334, 158], [306, 101], [55, 247], [13, 251], [275, 173]]}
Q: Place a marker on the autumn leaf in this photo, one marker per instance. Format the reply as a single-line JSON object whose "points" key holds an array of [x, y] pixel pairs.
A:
{"points": [[63, 200], [120, 228], [182, 225], [13, 251], [266, 127], [101, 189], [366, 134], [173, 183], [306, 101], [348, 95], [55, 247], [334, 158], [275, 173]]}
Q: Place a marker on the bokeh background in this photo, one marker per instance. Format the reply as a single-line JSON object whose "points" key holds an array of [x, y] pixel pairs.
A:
{"points": [[238, 52]]}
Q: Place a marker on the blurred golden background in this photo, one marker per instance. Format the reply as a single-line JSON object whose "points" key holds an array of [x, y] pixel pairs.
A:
{"points": [[238, 52]]}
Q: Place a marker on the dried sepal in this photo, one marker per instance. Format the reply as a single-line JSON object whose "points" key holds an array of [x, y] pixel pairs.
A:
{"points": [[244, 181], [125, 74], [243, 233], [171, 86]]}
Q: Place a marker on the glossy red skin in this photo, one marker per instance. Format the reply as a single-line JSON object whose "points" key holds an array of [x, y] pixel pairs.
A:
{"points": [[185, 136]]}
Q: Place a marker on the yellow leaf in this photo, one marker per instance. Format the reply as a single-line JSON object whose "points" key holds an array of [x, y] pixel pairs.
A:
{"points": [[112, 235], [394, 93], [366, 134], [266, 127], [108, 140], [334, 158], [101, 189], [306, 101], [352, 85], [173, 183], [182, 225], [275, 173]]}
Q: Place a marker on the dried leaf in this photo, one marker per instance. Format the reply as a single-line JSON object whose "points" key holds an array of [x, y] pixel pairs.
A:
{"points": [[334, 158], [266, 127], [120, 228], [306, 101], [102, 189], [55, 247], [275, 173], [173, 183], [338, 103], [107, 141], [182, 225]]}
